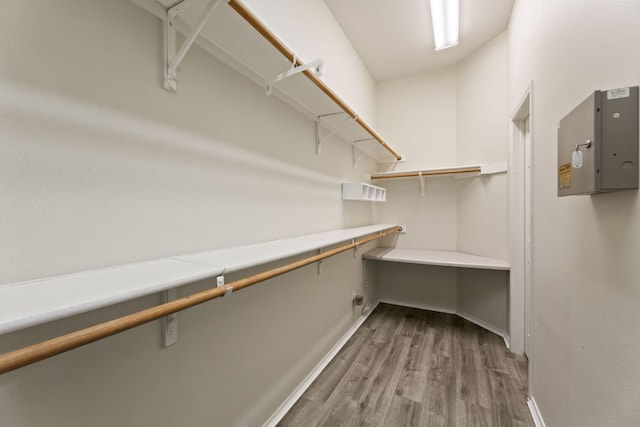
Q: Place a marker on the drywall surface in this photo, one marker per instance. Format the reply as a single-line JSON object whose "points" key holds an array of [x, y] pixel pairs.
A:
{"points": [[430, 221], [483, 297], [419, 114], [99, 166], [585, 317], [482, 135], [421, 286], [309, 29]]}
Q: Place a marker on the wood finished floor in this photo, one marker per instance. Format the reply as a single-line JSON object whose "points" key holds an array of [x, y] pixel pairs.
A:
{"points": [[409, 367]]}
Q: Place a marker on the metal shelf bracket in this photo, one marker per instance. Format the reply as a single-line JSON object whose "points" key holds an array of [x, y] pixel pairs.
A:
{"points": [[422, 192], [170, 322], [320, 262], [320, 141], [316, 66], [357, 158], [172, 59]]}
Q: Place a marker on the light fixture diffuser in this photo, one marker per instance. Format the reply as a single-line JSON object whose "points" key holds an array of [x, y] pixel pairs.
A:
{"points": [[445, 16]]}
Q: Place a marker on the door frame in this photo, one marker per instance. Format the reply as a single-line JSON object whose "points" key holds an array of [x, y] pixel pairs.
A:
{"points": [[521, 207]]}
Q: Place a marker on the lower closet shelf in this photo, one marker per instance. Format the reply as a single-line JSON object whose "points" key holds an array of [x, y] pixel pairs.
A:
{"points": [[433, 257], [35, 302]]}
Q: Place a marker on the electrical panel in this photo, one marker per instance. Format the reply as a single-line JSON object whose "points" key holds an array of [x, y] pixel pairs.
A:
{"points": [[598, 144]]}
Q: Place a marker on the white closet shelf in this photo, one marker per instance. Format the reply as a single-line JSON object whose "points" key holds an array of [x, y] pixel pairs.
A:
{"points": [[457, 171], [434, 257], [35, 302], [363, 192], [238, 258], [237, 37]]}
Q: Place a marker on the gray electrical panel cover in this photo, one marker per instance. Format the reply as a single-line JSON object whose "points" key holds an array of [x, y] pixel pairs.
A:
{"points": [[598, 144]]}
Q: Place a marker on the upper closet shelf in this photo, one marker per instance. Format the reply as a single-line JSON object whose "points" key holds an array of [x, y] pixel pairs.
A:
{"points": [[457, 171], [235, 35], [40, 301]]}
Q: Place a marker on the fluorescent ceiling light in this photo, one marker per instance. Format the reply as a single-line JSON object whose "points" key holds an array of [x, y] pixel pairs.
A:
{"points": [[445, 15]]}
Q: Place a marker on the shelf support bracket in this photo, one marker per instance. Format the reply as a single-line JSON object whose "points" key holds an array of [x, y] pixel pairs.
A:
{"points": [[320, 141], [173, 58], [421, 177], [220, 282], [170, 322], [320, 262], [316, 66], [364, 273], [357, 158]]}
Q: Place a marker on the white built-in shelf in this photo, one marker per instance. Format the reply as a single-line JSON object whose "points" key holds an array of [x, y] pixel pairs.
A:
{"points": [[433, 257], [456, 171], [363, 191], [31, 303], [241, 257], [233, 35]]}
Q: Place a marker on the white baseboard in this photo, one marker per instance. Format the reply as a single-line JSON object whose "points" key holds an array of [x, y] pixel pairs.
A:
{"points": [[418, 306], [486, 326], [317, 370], [507, 341], [535, 412]]}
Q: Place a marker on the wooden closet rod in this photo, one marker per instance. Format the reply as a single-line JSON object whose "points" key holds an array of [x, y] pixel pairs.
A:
{"points": [[36, 352], [255, 22], [426, 173]]}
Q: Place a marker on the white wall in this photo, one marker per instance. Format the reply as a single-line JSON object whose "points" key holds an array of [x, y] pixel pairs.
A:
{"points": [[483, 297], [418, 113], [482, 130], [449, 117], [585, 317], [99, 166], [420, 286]]}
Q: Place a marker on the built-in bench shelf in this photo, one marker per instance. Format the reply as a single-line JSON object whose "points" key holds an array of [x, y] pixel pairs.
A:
{"points": [[477, 291], [435, 257]]}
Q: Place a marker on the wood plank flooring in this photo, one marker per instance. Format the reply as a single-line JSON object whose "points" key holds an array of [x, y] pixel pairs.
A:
{"points": [[409, 367]]}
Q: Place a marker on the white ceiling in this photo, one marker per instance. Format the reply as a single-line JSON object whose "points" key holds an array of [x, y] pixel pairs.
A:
{"points": [[394, 37]]}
